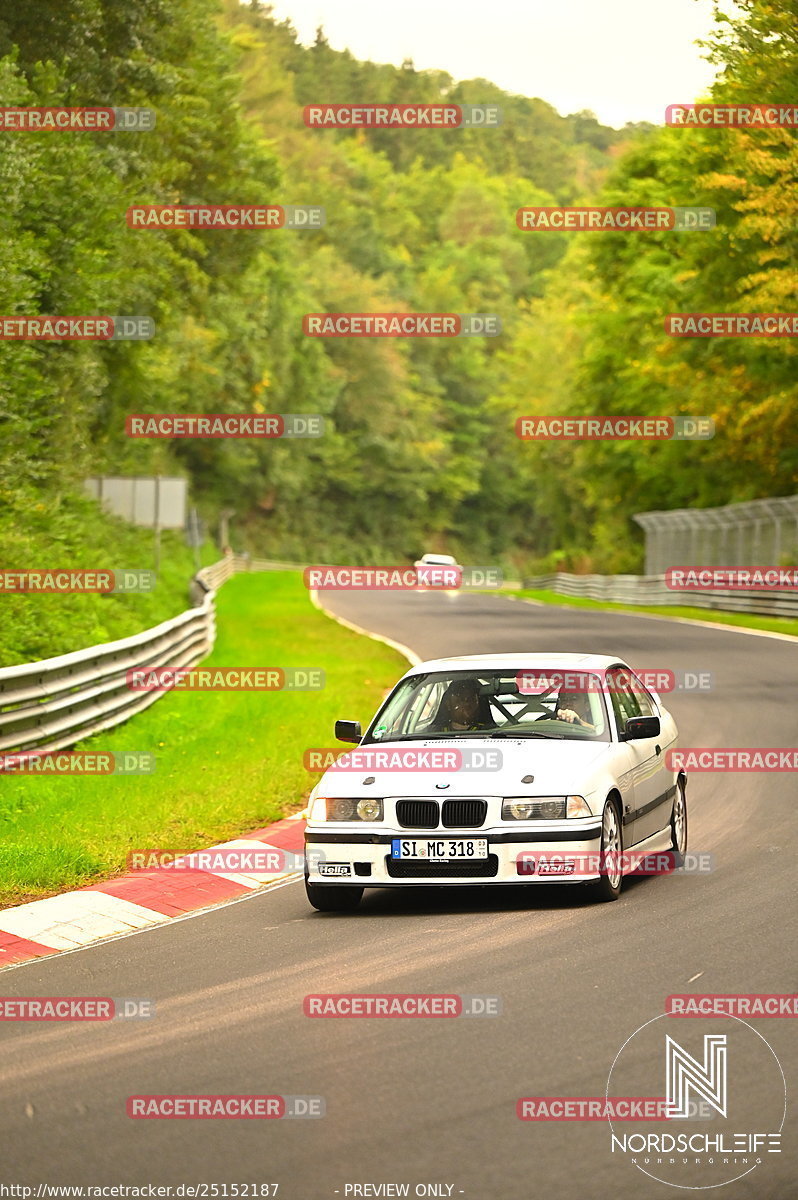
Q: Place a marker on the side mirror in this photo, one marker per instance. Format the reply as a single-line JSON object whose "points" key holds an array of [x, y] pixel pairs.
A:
{"points": [[350, 731], [641, 727]]}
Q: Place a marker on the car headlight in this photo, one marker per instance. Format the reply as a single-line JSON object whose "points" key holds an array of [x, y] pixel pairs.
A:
{"points": [[337, 808], [369, 809], [544, 808]]}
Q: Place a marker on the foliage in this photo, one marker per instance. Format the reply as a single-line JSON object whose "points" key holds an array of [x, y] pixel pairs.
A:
{"points": [[419, 451]]}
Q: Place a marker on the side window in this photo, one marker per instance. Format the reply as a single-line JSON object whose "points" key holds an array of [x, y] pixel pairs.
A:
{"points": [[644, 700], [624, 701], [596, 712], [425, 706], [401, 713]]}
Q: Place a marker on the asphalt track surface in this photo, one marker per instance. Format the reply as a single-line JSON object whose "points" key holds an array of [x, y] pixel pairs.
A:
{"points": [[433, 1101]]}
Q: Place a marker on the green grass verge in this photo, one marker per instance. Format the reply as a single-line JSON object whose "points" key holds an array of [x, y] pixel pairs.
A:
{"points": [[786, 625], [71, 531], [227, 762]]}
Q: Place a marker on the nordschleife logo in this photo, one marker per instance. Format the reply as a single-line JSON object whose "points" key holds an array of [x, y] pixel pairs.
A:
{"points": [[725, 1103]]}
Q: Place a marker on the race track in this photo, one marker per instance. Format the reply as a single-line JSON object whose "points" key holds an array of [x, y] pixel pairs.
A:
{"points": [[426, 1101]]}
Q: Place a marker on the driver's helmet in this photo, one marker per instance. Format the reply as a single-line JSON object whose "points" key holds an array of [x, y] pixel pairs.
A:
{"points": [[578, 701], [462, 701]]}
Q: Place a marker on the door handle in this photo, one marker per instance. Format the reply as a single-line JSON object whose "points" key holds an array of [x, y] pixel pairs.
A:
{"points": [[658, 748]]}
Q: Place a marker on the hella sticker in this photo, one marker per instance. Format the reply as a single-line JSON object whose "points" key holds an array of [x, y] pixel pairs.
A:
{"points": [[556, 867]]}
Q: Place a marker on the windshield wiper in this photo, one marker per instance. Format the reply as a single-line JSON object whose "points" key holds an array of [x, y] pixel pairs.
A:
{"points": [[433, 735], [527, 733], [415, 737], [402, 737]]}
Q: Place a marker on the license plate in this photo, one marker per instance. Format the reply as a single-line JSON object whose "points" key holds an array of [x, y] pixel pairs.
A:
{"points": [[439, 849]]}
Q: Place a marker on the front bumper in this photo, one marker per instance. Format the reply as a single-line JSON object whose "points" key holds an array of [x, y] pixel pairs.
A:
{"points": [[514, 856]]}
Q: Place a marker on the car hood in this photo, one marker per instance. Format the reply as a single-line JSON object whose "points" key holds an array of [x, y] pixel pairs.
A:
{"points": [[557, 768]]}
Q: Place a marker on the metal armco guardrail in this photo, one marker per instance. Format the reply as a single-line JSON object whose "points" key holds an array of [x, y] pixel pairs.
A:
{"points": [[54, 703], [651, 589]]}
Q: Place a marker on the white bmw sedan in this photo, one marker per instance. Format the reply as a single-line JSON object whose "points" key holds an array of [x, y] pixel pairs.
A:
{"points": [[500, 769]]}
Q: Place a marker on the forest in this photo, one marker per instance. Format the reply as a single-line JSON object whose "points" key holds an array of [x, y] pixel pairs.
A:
{"points": [[419, 448]]}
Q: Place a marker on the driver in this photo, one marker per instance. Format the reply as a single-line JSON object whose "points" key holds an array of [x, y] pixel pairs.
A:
{"points": [[462, 707], [574, 707]]}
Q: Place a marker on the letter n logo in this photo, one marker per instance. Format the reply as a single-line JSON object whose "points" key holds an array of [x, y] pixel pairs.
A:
{"points": [[684, 1074]]}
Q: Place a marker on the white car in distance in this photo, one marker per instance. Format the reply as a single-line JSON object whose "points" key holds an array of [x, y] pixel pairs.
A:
{"points": [[434, 569], [436, 560]]}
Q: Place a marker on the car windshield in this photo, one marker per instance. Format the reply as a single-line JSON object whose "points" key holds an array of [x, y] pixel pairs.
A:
{"points": [[496, 704]]}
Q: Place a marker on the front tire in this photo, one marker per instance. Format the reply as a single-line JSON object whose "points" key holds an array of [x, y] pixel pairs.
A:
{"points": [[608, 887], [333, 897], [678, 844]]}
